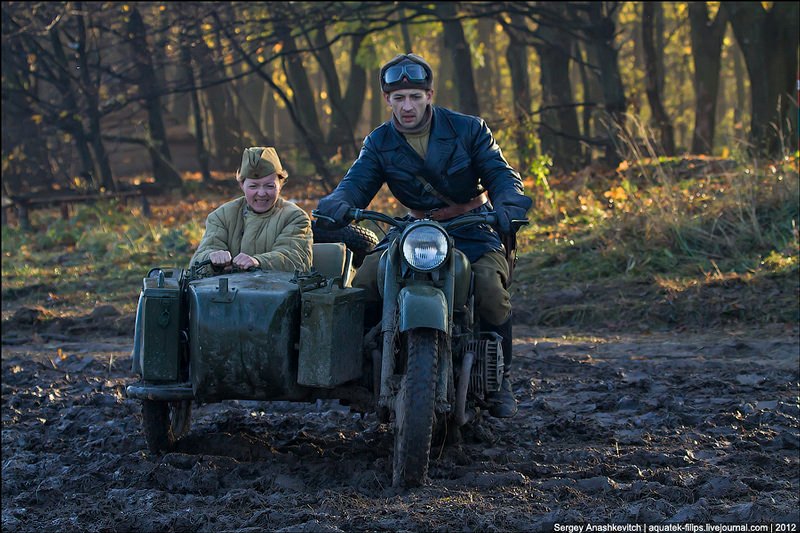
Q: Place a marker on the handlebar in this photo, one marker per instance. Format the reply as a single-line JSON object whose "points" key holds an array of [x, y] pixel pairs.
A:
{"points": [[357, 214], [200, 268]]}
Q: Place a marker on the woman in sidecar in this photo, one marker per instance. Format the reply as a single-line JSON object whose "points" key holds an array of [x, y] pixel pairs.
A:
{"points": [[260, 229]]}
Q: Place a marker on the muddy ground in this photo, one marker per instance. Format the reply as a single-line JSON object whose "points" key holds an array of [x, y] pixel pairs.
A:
{"points": [[612, 428]]}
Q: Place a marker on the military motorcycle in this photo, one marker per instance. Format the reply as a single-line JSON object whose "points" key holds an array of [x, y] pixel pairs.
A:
{"points": [[425, 367]]}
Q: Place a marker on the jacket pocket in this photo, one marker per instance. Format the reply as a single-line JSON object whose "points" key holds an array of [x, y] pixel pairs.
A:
{"points": [[457, 167]]}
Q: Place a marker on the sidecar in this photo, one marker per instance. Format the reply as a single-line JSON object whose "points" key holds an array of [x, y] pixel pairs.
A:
{"points": [[249, 336]]}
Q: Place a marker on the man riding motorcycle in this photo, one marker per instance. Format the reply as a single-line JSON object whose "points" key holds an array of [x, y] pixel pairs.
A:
{"points": [[440, 164]]}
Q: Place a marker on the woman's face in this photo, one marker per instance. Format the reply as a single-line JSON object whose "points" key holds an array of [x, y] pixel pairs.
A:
{"points": [[262, 193]]}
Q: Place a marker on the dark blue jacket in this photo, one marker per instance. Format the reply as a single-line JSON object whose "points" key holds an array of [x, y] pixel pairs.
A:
{"points": [[462, 161]]}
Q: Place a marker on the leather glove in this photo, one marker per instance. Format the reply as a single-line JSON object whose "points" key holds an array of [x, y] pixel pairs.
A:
{"points": [[334, 208], [511, 208]]}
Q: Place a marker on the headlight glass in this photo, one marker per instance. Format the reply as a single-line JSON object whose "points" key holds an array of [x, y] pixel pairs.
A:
{"points": [[425, 248]]}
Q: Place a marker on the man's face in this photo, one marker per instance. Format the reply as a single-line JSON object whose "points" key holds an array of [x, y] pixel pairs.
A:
{"points": [[408, 105], [261, 193]]}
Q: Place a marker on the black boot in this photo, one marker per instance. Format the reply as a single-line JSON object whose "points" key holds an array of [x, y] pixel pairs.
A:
{"points": [[502, 403]]}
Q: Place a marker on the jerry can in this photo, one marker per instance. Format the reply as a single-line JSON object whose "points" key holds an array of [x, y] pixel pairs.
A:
{"points": [[331, 333], [161, 333]]}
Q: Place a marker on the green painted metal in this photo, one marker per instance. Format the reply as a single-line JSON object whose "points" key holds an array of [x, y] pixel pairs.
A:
{"points": [[463, 272], [162, 313], [422, 306], [330, 336], [168, 392], [243, 331]]}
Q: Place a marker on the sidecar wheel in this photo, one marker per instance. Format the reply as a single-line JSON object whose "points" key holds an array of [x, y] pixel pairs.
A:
{"points": [[165, 422], [358, 239], [414, 409]]}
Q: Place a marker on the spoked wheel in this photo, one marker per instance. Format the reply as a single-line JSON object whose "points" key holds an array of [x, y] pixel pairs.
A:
{"points": [[165, 422], [414, 409]]}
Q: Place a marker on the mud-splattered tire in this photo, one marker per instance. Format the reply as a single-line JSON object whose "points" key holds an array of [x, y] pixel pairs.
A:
{"points": [[414, 409], [165, 422], [358, 239]]}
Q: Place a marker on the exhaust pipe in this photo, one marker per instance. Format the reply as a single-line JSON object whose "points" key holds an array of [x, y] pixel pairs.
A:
{"points": [[461, 415]]}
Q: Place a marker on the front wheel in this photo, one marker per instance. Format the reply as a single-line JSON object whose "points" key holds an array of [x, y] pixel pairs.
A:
{"points": [[414, 408], [165, 422]]}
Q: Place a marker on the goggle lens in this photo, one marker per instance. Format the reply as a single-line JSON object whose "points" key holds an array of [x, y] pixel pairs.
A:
{"points": [[412, 71]]}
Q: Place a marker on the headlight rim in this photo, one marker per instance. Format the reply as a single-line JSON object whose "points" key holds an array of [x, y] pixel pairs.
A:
{"points": [[416, 227]]}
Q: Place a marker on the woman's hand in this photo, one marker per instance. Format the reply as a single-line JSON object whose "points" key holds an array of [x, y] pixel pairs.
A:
{"points": [[245, 262], [220, 258]]}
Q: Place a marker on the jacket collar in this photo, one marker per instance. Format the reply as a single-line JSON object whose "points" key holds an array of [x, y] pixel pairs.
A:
{"points": [[440, 143]]}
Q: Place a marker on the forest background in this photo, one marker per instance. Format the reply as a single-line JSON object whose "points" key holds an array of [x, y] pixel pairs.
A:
{"points": [[657, 139]]}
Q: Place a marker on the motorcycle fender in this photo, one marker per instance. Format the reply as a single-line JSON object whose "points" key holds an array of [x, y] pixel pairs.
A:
{"points": [[422, 306]]}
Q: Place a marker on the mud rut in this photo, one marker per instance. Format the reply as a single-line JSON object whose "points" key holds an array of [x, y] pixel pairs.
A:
{"points": [[612, 428]]}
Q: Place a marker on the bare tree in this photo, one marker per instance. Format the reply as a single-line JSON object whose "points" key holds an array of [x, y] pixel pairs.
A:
{"points": [[164, 172], [188, 65], [458, 52], [653, 69], [559, 130], [707, 36], [768, 40], [603, 53]]}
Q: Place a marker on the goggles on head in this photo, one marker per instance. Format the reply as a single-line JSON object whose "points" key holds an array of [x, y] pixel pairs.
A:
{"points": [[413, 71]]}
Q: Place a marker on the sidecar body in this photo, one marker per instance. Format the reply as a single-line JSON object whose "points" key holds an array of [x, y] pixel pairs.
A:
{"points": [[251, 335]]}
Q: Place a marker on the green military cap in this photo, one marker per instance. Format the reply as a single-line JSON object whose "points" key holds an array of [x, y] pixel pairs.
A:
{"points": [[258, 162]]}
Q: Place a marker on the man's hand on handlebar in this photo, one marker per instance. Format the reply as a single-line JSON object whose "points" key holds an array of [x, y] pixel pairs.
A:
{"points": [[332, 213]]}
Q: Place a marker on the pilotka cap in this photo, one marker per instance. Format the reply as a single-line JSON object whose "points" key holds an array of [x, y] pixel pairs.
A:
{"points": [[259, 162]]}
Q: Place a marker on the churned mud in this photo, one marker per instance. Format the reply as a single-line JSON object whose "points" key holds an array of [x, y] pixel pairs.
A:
{"points": [[612, 428]]}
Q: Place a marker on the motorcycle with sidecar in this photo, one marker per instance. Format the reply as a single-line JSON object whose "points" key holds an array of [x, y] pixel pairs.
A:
{"points": [[425, 368]]}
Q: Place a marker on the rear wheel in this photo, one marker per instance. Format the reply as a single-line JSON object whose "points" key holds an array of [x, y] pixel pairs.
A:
{"points": [[414, 409], [165, 423]]}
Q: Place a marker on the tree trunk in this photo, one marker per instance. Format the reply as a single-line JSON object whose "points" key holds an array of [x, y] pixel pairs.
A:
{"points": [[521, 101], [70, 122], [461, 57], [199, 135], [409, 47], [247, 91], [600, 33], [303, 96], [354, 95], [486, 78], [588, 97], [163, 171], [376, 101], [768, 40], [739, 73], [658, 41], [93, 108], [444, 79], [559, 131], [651, 57], [706, 38], [267, 115], [345, 110]]}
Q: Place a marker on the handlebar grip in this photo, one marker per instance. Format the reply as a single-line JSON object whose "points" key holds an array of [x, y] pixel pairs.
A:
{"points": [[519, 222], [316, 214]]}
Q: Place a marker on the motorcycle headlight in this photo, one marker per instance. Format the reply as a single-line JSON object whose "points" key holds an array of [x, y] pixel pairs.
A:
{"points": [[425, 248]]}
